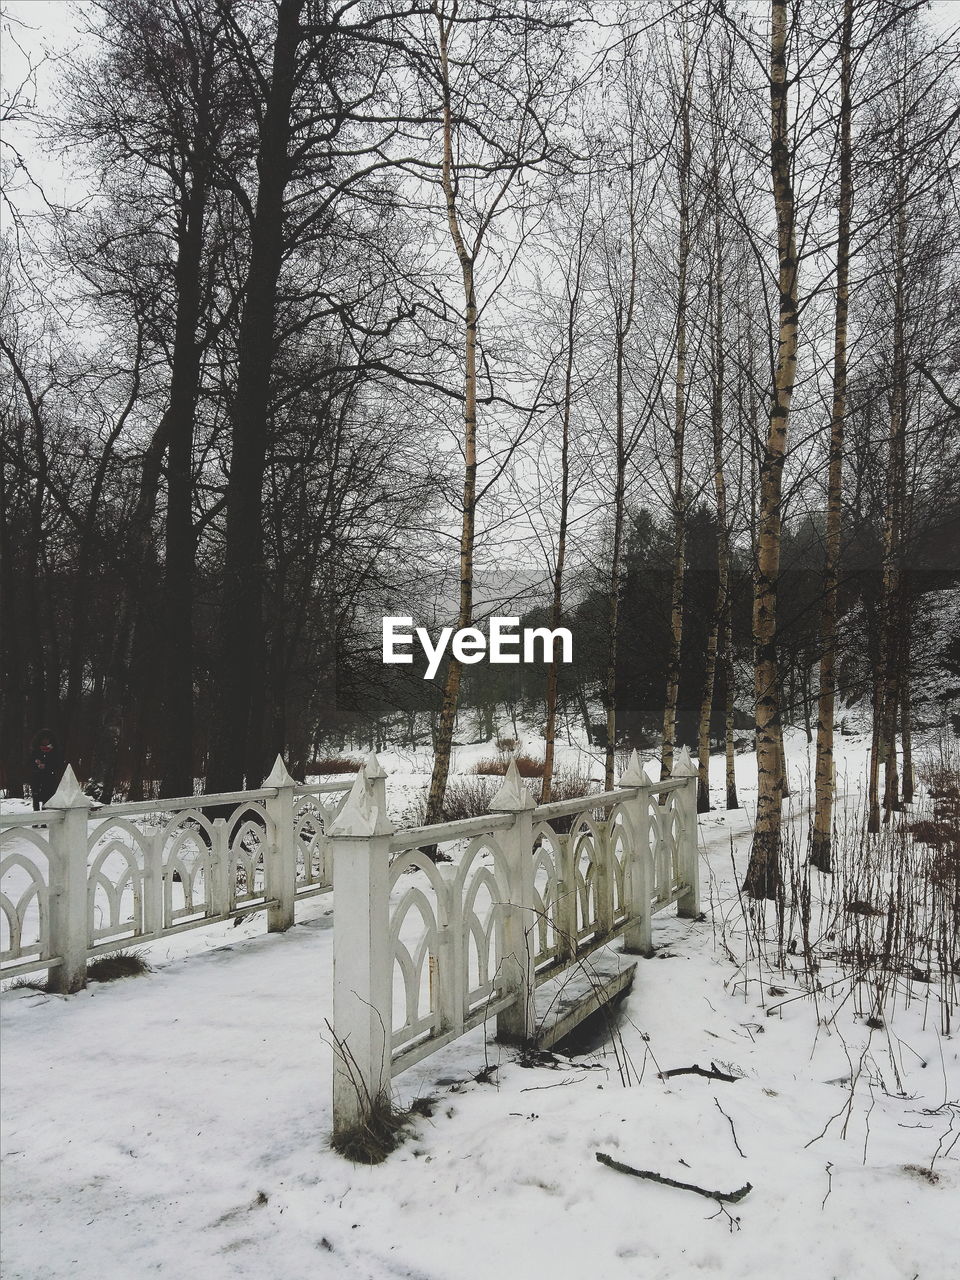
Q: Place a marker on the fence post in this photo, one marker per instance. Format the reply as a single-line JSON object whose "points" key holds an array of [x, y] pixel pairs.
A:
{"points": [[69, 926], [638, 933], [688, 862], [280, 863], [362, 964], [518, 1022]]}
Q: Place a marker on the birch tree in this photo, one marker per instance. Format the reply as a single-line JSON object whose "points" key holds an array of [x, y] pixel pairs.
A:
{"points": [[825, 783], [763, 876]]}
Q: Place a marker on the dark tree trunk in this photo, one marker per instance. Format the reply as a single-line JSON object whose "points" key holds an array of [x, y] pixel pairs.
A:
{"points": [[235, 739], [178, 575]]}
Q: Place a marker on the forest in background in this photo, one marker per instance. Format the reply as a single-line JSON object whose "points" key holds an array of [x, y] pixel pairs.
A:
{"points": [[650, 309]]}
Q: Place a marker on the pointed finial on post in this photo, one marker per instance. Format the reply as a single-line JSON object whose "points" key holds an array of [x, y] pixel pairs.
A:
{"points": [[360, 816], [69, 794], [633, 775], [512, 795], [683, 766], [278, 775], [373, 768]]}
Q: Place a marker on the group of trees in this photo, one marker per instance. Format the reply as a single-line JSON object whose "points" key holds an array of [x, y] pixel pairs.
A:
{"points": [[651, 308]]}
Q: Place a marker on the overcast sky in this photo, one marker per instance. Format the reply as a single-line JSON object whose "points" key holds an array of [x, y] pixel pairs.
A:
{"points": [[47, 28]]}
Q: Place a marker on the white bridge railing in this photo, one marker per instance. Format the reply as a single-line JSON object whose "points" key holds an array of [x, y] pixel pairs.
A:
{"points": [[420, 959], [77, 880]]}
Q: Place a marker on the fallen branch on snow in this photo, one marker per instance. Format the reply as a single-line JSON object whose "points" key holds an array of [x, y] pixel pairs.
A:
{"points": [[730, 1197], [695, 1070]]}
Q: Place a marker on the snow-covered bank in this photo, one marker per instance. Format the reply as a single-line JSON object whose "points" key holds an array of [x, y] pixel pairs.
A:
{"points": [[177, 1124]]}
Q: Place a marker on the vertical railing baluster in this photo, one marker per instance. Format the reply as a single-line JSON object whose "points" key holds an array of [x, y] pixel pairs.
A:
{"points": [[222, 870], [453, 956], [604, 873], [566, 899], [153, 885]]}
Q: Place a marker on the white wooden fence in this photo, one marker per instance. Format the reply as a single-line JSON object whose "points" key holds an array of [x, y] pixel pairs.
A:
{"points": [[419, 959], [77, 880]]}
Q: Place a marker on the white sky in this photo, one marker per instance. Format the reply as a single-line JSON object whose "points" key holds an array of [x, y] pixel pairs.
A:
{"points": [[45, 29]]}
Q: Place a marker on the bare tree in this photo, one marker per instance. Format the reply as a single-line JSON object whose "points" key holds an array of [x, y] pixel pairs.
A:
{"points": [[497, 79]]}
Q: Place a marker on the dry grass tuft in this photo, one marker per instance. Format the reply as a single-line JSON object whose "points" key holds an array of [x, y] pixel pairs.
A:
{"points": [[118, 964], [26, 983], [372, 1139]]}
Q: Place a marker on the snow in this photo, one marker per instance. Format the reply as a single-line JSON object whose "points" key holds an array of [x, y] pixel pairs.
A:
{"points": [[178, 1123]]}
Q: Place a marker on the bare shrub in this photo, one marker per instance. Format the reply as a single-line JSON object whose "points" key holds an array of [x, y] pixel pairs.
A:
{"points": [[466, 797], [334, 764], [470, 796], [884, 928], [570, 784]]}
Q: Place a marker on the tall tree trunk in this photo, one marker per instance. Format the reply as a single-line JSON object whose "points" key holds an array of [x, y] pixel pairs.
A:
{"points": [[178, 746], [825, 784], [893, 611], [720, 494], [556, 616], [132, 653], [763, 878], [613, 605], [451, 689], [678, 569], [624, 316], [241, 620]]}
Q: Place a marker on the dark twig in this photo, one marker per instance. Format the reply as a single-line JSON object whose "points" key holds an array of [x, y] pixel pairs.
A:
{"points": [[732, 1222], [829, 1172], [731, 1197], [560, 1084], [732, 1129]]}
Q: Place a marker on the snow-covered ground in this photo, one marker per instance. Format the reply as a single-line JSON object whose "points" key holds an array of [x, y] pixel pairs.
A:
{"points": [[178, 1123]]}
